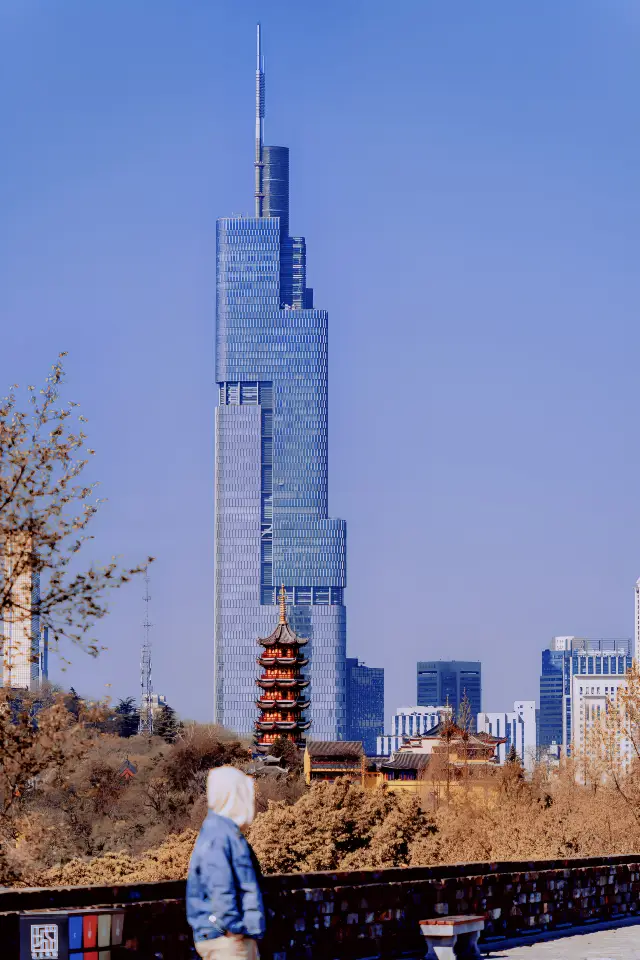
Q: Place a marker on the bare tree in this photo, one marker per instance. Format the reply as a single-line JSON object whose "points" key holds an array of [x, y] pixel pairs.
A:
{"points": [[448, 731], [46, 508], [618, 734]]}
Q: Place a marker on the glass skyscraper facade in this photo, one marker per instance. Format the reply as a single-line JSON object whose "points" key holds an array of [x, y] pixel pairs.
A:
{"points": [[271, 472], [365, 704], [551, 691], [444, 683]]}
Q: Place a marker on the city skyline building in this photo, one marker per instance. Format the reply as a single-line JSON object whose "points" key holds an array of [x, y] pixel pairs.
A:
{"points": [[591, 694], [365, 703], [592, 666], [446, 682], [558, 665], [272, 524], [518, 727], [408, 722]]}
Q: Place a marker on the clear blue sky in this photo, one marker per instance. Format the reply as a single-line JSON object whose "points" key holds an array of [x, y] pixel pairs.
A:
{"points": [[466, 176]]}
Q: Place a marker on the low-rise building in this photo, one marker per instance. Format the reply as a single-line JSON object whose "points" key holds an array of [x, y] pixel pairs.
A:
{"points": [[409, 722], [330, 759], [444, 755], [518, 730]]}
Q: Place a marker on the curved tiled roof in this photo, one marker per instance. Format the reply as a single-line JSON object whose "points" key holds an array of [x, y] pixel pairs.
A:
{"points": [[282, 634], [406, 761], [335, 748]]}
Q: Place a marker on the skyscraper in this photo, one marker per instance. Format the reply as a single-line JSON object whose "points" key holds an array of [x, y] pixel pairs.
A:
{"points": [[271, 473], [445, 682], [365, 703], [551, 691]]}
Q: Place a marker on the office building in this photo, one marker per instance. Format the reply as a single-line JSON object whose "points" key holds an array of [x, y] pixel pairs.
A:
{"points": [[20, 626], [590, 695], [590, 667], [272, 525], [447, 681], [365, 703], [551, 691], [408, 722], [517, 727], [565, 656]]}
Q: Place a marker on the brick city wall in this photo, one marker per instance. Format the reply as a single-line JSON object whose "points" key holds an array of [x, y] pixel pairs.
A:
{"points": [[365, 914]]}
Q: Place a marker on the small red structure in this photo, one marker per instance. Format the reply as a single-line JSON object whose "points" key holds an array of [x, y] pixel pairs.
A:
{"points": [[128, 770], [281, 701]]}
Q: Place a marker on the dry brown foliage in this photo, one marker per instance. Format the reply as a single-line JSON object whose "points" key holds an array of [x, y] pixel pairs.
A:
{"points": [[66, 815], [340, 826], [65, 800], [169, 861]]}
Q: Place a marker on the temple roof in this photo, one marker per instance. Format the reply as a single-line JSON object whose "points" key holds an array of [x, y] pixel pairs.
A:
{"points": [[282, 634], [406, 761], [335, 748], [457, 736]]}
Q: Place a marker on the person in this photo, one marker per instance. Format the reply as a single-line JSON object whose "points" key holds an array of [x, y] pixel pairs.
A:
{"points": [[224, 902]]}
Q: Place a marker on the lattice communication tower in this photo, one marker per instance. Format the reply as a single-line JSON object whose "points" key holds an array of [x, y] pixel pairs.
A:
{"points": [[146, 690]]}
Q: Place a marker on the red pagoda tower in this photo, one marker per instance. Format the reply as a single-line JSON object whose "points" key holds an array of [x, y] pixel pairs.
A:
{"points": [[281, 701]]}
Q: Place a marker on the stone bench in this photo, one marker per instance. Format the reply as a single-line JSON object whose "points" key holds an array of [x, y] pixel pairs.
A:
{"points": [[452, 938]]}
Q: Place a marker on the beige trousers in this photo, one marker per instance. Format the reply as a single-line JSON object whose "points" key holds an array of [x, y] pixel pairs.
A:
{"points": [[228, 948]]}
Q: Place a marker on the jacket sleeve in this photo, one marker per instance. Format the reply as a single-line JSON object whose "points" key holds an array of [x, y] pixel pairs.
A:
{"points": [[217, 879], [249, 895]]}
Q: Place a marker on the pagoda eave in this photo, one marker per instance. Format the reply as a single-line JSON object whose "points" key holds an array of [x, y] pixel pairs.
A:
{"points": [[282, 661], [273, 640]]}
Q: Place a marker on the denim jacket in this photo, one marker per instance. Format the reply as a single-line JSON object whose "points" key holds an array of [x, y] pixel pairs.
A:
{"points": [[223, 895]]}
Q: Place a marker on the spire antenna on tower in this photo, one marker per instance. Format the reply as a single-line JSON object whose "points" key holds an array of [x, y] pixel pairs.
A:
{"points": [[259, 121], [145, 724], [283, 605]]}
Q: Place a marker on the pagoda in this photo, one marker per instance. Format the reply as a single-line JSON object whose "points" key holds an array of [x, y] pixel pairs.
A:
{"points": [[281, 701]]}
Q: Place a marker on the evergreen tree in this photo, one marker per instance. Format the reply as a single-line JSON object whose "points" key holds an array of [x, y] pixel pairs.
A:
{"points": [[73, 703], [512, 756], [166, 723], [127, 717]]}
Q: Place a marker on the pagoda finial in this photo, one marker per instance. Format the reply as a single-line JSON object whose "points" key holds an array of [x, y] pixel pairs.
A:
{"points": [[283, 605]]}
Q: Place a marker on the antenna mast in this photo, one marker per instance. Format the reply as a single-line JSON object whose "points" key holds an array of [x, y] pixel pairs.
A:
{"points": [[146, 706], [259, 121]]}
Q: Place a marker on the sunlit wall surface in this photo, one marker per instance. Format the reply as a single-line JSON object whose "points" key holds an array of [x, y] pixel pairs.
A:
{"points": [[20, 625], [271, 497]]}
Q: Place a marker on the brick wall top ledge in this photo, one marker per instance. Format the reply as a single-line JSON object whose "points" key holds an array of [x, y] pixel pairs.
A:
{"points": [[61, 898]]}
